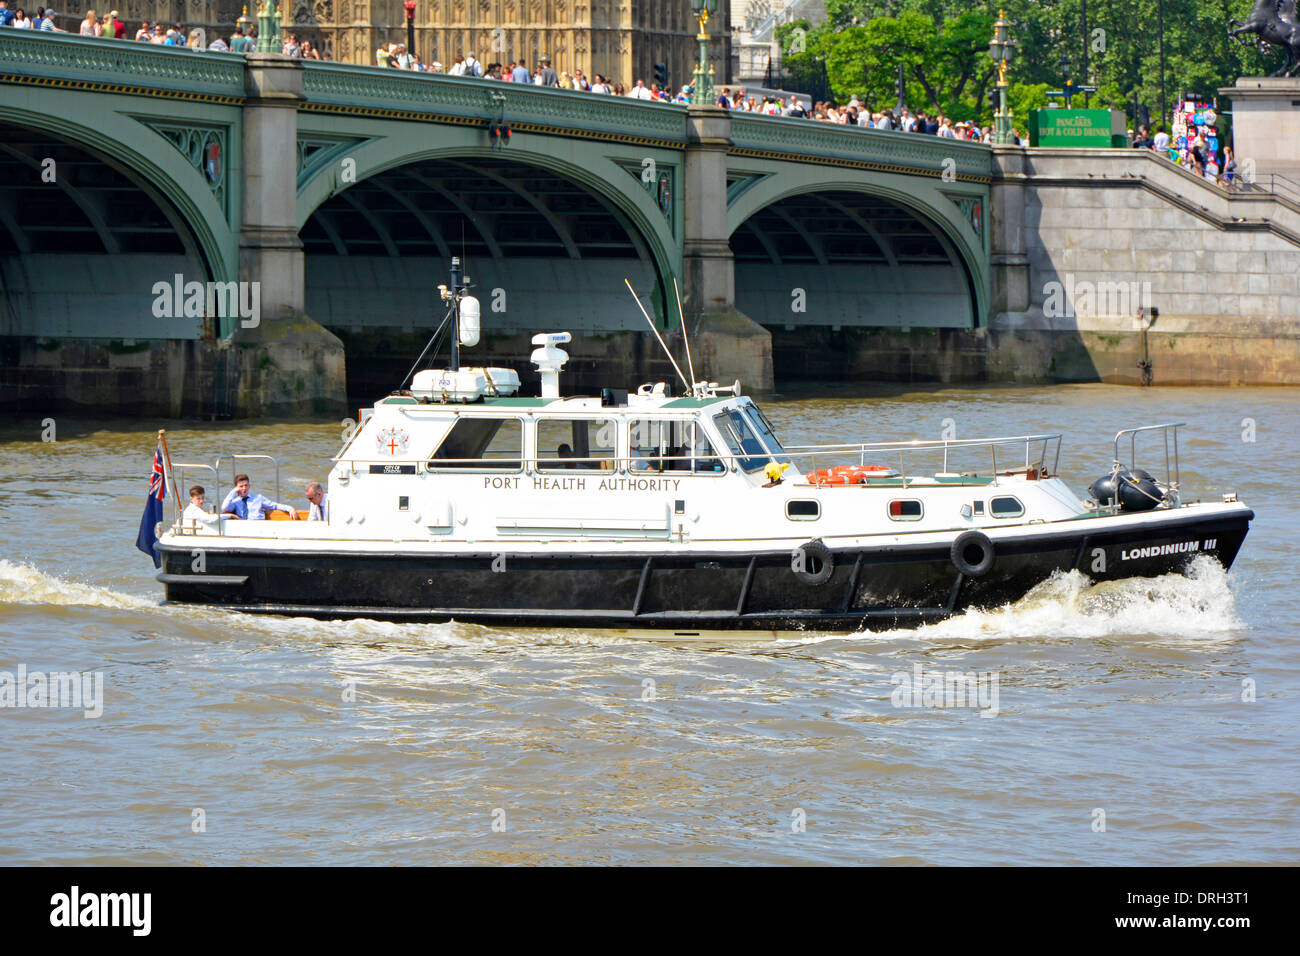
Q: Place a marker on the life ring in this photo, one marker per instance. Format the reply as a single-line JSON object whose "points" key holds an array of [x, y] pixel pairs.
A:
{"points": [[812, 562], [972, 553], [850, 474]]}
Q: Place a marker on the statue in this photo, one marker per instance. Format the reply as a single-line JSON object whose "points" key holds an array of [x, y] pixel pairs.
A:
{"points": [[1273, 22]]}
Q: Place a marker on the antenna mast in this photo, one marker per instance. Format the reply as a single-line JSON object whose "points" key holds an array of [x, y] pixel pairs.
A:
{"points": [[689, 364], [455, 313]]}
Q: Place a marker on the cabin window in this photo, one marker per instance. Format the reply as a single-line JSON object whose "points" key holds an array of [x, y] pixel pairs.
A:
{"points": [[1006, 506], [740, 438], [906, 509], [568, 444], [664, 444], [481, 443], [803, 509], [764, 429]]}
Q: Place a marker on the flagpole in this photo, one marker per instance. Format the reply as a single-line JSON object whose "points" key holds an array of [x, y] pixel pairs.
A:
{"points": [[167, 459]]}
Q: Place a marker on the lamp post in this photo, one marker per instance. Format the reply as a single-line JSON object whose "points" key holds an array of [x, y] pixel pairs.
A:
{"points": [[268, 28], [245, 23], [410, 27], [703, 92], [1000, 49]]}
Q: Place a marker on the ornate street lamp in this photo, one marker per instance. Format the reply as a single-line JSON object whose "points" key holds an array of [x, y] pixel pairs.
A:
{"points": [[1000, 49], [410, 27], [703, 93], [268, 27]]}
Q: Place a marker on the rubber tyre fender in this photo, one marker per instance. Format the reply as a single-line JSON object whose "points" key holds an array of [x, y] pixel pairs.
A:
{"points": [[813, 552], [968, 540]]}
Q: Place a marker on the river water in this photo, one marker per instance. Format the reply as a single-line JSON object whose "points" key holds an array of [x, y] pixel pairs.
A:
{"points": [[1165, 711]]}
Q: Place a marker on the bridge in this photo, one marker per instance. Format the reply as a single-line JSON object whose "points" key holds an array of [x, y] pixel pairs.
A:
{"points": [[344, 190], [129, 172]]}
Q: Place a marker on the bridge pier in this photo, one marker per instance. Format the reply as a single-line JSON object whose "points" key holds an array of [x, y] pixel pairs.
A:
{"points": [[725, 341], [289, 363], [1009, 258], [270, 251]]}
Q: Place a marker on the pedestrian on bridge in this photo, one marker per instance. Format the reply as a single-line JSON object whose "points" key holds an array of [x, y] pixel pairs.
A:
{"points": [[549, 76], [89, 26]]}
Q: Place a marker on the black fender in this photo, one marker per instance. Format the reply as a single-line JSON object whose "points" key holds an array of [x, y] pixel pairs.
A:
{"points": [[812, 562], [972, 553]]}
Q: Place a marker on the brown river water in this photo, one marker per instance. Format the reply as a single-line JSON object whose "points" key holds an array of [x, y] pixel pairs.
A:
{"points": [[1137, 722]]}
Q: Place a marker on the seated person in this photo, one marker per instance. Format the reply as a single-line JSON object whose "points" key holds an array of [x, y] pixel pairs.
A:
{"points": [[679, 459], [563, 452], [640, 460], [195, 511], [320, 502], [242, 503]]}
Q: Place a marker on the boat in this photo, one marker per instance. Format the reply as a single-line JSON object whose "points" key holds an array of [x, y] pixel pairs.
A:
{"points": [[462, 499]]}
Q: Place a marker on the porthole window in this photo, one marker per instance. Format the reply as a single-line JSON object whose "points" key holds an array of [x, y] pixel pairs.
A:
{"points": [[803, 509], [906, 509], [1006, 506]]}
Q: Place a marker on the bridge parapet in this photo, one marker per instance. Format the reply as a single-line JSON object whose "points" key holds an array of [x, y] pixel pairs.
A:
{"points": [[802, 140], [117, 66], [393, 94]]}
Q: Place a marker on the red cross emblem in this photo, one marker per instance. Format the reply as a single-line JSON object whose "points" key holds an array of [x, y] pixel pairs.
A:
{"points": [[393, 440]]}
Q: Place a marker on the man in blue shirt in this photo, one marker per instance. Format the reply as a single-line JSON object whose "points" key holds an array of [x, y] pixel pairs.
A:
{"points": [[6, 15], [244, 504]]}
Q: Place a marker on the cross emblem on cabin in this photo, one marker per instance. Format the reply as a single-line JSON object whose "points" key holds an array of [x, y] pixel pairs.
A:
{"points": [[393, 440]]}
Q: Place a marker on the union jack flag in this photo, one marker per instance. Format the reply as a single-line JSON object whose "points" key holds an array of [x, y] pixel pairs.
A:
{"points": [[157, 480], [153, 509]]}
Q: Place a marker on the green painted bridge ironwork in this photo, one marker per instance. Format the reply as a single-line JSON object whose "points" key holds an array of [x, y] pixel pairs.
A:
{"points": [[309, 177]]}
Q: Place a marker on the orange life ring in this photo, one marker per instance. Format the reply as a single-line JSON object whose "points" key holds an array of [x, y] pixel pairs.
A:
{"points": [[851, 474]]}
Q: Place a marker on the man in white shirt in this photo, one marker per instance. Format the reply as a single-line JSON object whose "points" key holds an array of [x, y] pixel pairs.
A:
{"points": [[320, 502], [242, 503], [1161, 142], [195, 511], [639, 92]]}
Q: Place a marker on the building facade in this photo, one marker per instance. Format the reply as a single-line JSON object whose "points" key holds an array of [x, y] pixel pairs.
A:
{"points": [[619, 39], [755, 52]]}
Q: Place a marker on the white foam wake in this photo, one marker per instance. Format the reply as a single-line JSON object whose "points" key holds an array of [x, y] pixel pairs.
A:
{"points": [[24, 584], [1198, 604]]}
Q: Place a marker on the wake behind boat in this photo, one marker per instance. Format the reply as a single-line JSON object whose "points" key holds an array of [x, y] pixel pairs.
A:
{"points": [[460, 499]]}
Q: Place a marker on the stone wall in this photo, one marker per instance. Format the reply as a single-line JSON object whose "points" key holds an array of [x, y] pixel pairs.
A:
{"points": [[1091, 246], [286, 367]]}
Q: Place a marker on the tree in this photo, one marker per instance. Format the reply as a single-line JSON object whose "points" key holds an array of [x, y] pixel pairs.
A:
{"points": [[943, 46]]}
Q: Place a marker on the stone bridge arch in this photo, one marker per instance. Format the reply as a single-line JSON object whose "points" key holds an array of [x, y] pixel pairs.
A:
{"points": [[954, 214], [128, 171], [409, 190]]}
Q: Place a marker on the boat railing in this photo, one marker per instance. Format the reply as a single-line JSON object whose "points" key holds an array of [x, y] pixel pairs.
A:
{"points": [[1033, 450], [179, 468], [1169, 437], [1023, 454]]}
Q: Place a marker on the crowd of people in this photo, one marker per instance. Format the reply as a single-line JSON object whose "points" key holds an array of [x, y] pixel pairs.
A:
{"points": [[1196, 155], [16, 16], [394, 55]]}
